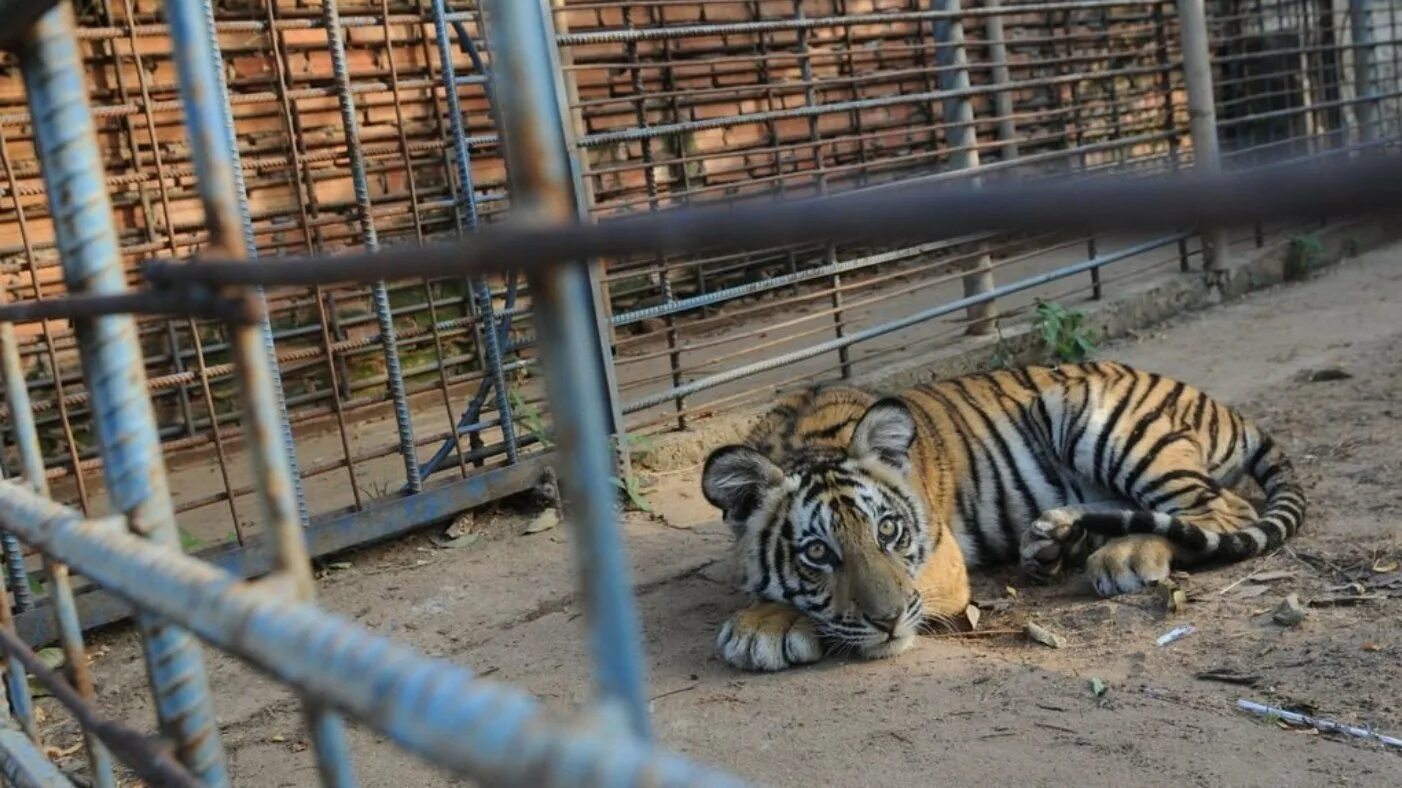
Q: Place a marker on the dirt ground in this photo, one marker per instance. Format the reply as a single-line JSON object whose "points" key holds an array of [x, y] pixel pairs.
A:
{"points": [[991, 710]]}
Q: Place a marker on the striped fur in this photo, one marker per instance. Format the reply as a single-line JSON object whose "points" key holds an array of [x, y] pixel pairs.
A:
{"points": [[1124, 472]]}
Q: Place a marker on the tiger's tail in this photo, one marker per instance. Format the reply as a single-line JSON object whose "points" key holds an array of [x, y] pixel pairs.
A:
{"points": [[1281, 519]]}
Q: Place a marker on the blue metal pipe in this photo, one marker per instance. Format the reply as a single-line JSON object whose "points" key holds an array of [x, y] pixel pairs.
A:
{"points": [[474, 727], [22, 765], [111, 355], [526, 73], [215, 154]]}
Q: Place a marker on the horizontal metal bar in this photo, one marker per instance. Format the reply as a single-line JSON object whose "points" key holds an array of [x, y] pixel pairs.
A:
{"points": [[898, 324], [480, 729], [327, 534], [144, 756], [915, 213], [775, 25], [79, 306]]}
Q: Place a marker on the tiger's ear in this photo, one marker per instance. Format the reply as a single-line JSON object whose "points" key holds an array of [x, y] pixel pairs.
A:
{"points": [[886, 431], [735, 479]]}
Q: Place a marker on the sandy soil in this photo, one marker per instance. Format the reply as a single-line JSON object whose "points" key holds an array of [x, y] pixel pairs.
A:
{"points": [[988, 710]]}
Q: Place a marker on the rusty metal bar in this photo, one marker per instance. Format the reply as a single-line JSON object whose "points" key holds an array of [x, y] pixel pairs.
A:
{"points": [[526, 69], [111, 358], [265, 422]]}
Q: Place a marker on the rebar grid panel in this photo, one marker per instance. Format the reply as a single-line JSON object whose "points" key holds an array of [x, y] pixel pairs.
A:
{"points": [[674, 104]]}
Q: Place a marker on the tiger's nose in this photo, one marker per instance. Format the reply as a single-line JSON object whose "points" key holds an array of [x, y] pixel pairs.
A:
{"points": [[887, 625]]}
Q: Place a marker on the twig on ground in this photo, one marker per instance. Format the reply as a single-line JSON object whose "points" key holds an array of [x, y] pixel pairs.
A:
{"points": [[1318, 723]]}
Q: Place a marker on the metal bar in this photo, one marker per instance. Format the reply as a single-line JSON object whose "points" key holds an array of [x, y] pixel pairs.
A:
{"points": [[331, 18], [962, 140], [65, 618], [1202, 119], [918, 212], [524, 70], [151, 763], [111, 359], [1360, 22], [326, 535], [476, 728], [22, 765], [490, 333], [266, 426], [1003, 99], [895, 325]]}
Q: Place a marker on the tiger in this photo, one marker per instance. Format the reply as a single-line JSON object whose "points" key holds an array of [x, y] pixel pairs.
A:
{"points": [[856, 516]]}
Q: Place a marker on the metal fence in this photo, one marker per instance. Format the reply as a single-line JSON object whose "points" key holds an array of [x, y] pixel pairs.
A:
{"points": [[348, 135], [964, 136]]}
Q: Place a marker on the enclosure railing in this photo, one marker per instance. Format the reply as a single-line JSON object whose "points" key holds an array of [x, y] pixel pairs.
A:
{"points": [[495, 733], [369, 123]]}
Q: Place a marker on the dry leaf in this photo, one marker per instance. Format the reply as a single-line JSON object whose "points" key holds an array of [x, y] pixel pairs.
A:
{"points": [[1369, 645], [1249, 591], [973, 614], [1044, 636], [1012, 592], [544, 521], [1278, 574], [1385, 566]]}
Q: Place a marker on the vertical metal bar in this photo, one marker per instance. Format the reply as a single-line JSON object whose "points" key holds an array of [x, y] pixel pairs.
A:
{"points": [[111, 355], [207, 118], [225, 121], [1202, 118], [1360, 23], [1003, 99], [60, 589], [16, 680], [481, 293], [531, 91], [962, 138], [389, 341], [810, 99], [572, 123]]}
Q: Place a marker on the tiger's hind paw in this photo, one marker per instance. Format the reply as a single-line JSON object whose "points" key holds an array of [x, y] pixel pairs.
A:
{"points": [[769, 637], [1129, 563]]}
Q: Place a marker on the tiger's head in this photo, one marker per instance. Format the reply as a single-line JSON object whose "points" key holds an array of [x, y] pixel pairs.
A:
{"points": [[839, 533]]}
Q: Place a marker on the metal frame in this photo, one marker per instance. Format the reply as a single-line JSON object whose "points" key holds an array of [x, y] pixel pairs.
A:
{"points": [[440, 712]]}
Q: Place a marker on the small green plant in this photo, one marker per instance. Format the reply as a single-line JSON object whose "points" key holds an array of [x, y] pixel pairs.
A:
{"points": [[1063, 332], [189, 542], [1305, 255], [526, 414], [633, 491]]}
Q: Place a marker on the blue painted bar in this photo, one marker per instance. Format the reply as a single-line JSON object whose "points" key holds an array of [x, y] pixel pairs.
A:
{"points": [[265, 425], [112, 365], [526, 73], [476, 728], [22, 765]]}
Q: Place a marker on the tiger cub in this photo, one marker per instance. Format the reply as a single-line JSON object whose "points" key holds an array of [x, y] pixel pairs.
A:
{"points": [[855, 516]]}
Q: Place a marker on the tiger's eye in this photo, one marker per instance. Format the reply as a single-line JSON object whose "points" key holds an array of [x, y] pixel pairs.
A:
{"points": [[816, 552], [887, 529]]}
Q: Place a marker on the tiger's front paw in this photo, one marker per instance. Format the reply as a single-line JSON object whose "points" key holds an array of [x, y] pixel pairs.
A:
{"points": [[1129, 563], [767, 637], [1050, 543]]}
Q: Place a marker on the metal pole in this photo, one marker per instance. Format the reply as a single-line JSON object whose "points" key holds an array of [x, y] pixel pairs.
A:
{"points": [[1003, 99], [112, 367], [1202, 120], [1360, 22], [212, 147], [380, 295], [70, 631], [492, 333], [528, 82], [962, 139]]}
